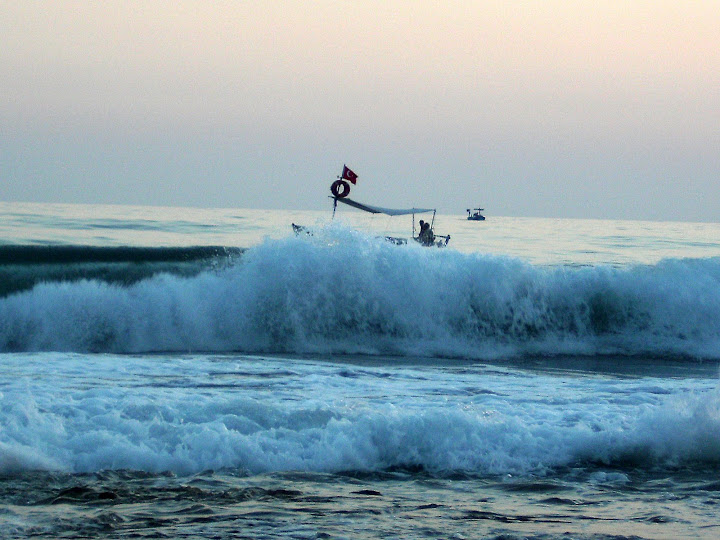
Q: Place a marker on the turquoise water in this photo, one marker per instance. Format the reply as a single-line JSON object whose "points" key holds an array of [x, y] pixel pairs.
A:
{"points": [[206, 373]]}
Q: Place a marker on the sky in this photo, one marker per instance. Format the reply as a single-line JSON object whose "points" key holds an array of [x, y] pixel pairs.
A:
{"points": [[547, 108]]}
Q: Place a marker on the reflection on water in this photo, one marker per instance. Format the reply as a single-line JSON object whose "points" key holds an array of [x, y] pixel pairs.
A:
{"points": [[401, 504]]}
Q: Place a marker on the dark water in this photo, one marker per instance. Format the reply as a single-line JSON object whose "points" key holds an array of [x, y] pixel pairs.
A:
{"points": [[403, 504], [24, 266]]}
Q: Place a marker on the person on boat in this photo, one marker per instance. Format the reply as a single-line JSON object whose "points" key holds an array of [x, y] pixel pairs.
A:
{"points": [[426, 236], [429, 235]]}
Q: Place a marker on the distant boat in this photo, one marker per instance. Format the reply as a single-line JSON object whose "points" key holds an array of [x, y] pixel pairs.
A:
{"points": [[475, 215]]}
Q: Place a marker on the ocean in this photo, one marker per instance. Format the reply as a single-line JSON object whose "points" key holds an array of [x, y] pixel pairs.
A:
{"points": [[206, 373]]}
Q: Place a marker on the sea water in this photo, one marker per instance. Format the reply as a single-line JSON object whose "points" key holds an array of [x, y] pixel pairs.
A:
{"points": [[194, 373]]}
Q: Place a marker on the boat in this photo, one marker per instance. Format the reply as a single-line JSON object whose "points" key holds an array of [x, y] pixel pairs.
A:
{"points": [[475, 215], [426, 236]]}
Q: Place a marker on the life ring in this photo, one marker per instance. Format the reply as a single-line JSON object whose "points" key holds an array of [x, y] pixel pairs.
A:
{"points": [[340, 189]]}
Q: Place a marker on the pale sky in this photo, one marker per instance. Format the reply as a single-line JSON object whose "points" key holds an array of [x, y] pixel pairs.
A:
{"points": [[537, 108]]}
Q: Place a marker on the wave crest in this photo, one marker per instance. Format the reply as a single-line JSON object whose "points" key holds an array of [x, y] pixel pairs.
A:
{"points": [[342, 292]]}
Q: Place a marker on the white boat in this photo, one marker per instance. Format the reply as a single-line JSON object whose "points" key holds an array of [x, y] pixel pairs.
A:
{"points": [[426, 236]]}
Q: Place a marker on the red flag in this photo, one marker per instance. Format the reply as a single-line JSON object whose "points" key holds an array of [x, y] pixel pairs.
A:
{"points": [[349, 175]]}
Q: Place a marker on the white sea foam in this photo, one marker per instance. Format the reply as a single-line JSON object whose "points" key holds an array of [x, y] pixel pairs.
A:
{"points": [[344, 292], [188, 415]]}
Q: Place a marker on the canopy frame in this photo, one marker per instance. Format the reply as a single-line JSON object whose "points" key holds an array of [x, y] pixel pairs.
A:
{"points": [[387, 211]]}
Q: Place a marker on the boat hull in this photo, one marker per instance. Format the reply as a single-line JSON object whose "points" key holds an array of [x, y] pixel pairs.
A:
{"points": [[442, 241]]}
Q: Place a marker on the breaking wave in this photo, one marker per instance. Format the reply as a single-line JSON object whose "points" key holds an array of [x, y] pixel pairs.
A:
{"points": [[343, 292], [623, 425]]}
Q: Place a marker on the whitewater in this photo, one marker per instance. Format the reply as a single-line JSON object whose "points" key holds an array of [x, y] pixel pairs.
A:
{"points": [[207, 373]]}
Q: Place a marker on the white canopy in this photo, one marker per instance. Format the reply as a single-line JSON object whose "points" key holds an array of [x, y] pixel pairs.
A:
{"points": [[379, 210]]}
